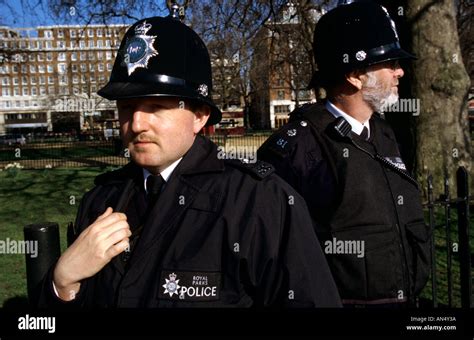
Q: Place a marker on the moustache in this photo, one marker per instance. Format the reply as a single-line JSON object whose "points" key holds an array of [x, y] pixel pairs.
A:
{"points": [[142, 139]]}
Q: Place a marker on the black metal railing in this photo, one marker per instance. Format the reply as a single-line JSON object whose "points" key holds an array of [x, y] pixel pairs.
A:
{"points": [[459, 250]]}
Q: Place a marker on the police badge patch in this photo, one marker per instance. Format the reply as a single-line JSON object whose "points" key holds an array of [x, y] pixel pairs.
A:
{"points": [[190, 286], [139, 48]]}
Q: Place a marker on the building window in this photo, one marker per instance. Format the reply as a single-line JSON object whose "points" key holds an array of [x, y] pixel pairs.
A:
{"points": [[75, 79], [49, 56], [16, 81], [90, 32], [108, 55], [108, 32], [16, 91], [91, 56], [91, 43], [49, 45], [40, 45], [24, 80], [60, 33], [74, 68], [100, 55], [101, 67], [62, 68], [24, 69], [33, 80], [100, 43], [41, 69], [92, 78], [75, 90], [82, 44], [15, 69], [83, 68], [50, 80], [63, 80], [282, 109], [107, 43], [42, 80], [48, 34], [281, 95], [61, 44], [50, 69], [7, 104], [31, 57], [34, 91], [51, 90], [32, 69], [91, 67], [5, 81], [32, 45], [40, 57], [72, 33], [25, 91], [99, 32], [101, 79], [109, 67], [74, 56], [83, 56], [23, 44], [3, 69], [42, 91], [62, 56], [83, 79], [72, 44]]}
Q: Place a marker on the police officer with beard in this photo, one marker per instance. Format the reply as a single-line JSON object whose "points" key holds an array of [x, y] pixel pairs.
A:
{"points": [[178, 226], [342, 157]]}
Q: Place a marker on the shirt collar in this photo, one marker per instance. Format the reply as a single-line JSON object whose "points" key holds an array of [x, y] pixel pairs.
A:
{"points": [[165, 174], [357, 126]]}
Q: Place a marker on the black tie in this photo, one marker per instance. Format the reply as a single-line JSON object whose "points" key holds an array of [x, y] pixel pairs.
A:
{"points": [[154, 185], [153, 188], [365, 133]]}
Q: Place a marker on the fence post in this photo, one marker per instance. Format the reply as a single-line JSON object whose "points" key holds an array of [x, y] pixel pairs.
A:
{"points": [[447, 213], [46, 237], [432, 226], [463, 229]]}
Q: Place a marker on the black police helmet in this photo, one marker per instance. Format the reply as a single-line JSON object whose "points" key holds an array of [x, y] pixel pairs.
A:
{"points": [[162, 57], [354, 36]]}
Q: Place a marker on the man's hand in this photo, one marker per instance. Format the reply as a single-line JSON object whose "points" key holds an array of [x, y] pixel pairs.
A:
{"points": [[104, 239]]}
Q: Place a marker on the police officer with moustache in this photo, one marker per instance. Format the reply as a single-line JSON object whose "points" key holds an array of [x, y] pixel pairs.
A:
{"points": [[177, 226], [342, 157]]}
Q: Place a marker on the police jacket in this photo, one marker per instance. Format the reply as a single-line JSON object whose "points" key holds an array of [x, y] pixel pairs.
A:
{"points": [[221, 234], [368, 217]]}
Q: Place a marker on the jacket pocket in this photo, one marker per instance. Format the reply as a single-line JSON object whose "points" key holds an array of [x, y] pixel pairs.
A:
{"points": [[372, 273], [419, 240]]}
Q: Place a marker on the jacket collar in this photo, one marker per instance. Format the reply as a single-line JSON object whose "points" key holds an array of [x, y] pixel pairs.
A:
{"points": [[201, 158]]}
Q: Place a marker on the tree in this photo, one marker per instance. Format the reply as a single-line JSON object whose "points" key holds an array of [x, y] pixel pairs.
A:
{"points": [[441, 83]]}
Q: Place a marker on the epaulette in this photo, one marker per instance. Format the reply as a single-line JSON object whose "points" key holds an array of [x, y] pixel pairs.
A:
{"points": [[283, 141], [258, 169]]}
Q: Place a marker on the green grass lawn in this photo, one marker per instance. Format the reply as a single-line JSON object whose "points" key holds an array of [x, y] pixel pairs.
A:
{"points": [[32, 196]]}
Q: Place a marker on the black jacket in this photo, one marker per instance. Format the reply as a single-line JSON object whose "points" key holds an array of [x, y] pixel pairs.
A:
{"points": [[222, 234], [355, 201]]}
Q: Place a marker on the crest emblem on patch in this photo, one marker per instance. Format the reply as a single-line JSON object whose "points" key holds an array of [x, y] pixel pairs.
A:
{"points": [[171, 286], [139, 48]]}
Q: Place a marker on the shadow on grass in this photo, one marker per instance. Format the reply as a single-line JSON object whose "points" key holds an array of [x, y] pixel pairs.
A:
{"points": [[17, 302]]}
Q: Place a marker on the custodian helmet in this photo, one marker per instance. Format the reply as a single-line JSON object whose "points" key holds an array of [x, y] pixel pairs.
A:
{"points": [[353, 36], [162, 57]]}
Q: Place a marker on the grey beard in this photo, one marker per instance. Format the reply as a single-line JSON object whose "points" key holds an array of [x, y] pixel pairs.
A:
{"points": [[378, 100]]}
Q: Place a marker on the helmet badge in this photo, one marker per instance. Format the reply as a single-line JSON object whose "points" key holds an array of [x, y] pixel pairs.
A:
{"points": [[361, 55], [139, 48], [203, 90]]}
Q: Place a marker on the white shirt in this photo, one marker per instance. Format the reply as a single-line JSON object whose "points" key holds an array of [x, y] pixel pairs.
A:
{"points": [[165, 174], [357, 126]]}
